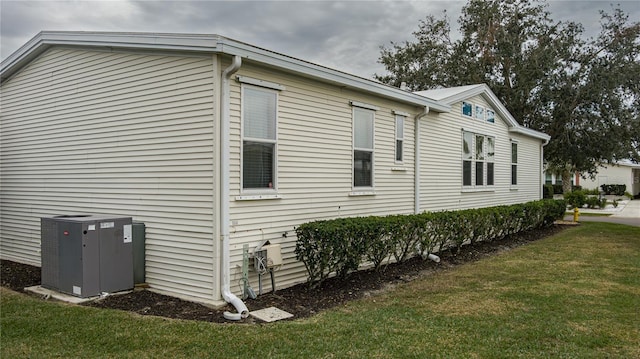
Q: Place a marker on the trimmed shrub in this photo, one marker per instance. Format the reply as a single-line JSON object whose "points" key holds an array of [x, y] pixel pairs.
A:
{"points": [[341, 245], [593, 192], [592, 202], [615, 189], [576, 199]]}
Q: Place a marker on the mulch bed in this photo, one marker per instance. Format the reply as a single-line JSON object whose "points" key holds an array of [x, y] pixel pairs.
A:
{"points": [[300, 300]]}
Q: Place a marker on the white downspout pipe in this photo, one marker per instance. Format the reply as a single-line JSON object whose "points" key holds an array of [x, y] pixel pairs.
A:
{"points": [[416, 160], [241, 308], [542, 175]]}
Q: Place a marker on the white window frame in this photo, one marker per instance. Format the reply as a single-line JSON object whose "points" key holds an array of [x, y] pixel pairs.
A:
{"points": [[479, 113], [370, 109], [492, 118], [490, 160], [399, 138], [472, 186], [274, 182], [470, 160], [465, 103], [513, 143]]}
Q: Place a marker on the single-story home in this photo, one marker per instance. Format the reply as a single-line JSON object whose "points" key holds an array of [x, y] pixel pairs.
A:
{"points": [[620, 173], [214, 144]]}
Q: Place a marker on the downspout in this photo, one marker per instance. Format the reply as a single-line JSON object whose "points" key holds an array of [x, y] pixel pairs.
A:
{"points": [[416, 160], [241, 308], [542, 177]]}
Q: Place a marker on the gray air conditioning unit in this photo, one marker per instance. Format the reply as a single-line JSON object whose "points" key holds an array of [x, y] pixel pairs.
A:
{"points": [[86, 255]]}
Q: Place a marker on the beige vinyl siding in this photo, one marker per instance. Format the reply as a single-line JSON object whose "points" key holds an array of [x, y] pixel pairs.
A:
{"points": [[612, 174], [441, 162], [314, 168], [119, 133]]}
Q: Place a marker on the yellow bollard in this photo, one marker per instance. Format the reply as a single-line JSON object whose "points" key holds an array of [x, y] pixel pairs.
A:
{"points": [[576, 214]]}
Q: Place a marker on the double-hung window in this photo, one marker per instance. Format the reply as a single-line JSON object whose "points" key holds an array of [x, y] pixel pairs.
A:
{"points": [[363, 122], [467, 157], [399, 138], [479, 160], [259, 109], [491, 152], [514, 163]]}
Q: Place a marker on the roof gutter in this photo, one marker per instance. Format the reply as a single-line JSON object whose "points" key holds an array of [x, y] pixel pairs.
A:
{"points": [[199, 43], [241, 308]]}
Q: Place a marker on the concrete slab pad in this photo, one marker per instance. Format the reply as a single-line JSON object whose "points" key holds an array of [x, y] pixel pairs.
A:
{"points": [[48, 293], [271, 314]]}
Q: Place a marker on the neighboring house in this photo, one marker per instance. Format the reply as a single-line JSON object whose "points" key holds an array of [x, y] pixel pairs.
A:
{"points": [[555, 178], [214, 144], [622, 172]]}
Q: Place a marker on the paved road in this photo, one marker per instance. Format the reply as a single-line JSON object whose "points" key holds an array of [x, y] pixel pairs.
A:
{"points": [[630, 215]]}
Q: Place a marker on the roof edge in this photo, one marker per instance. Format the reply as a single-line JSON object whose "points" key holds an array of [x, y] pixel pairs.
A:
{"points": [[531, 133], [206, 44], [485, 90]]}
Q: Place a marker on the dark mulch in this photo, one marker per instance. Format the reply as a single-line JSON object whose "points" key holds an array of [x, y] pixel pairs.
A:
{"points": [[300, 300]]}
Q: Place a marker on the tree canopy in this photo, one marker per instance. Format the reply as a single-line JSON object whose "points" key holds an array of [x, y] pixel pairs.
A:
{"points": [[584, 93]]}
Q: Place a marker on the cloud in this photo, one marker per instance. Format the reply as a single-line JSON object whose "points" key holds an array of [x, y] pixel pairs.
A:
{"points": [[345, 35]]}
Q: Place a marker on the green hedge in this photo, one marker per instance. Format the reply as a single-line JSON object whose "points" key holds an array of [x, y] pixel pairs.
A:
{"points": [[340, 245], [615, 189]]}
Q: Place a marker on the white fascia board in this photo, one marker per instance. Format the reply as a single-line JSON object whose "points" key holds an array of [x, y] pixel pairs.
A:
{"points": [[120, 40], [252, 53], [464, 93], [207, 44], [531, 133]]}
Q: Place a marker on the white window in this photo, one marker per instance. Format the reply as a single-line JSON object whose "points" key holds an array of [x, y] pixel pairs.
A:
{"points": [[480, 112], [491, 152], [467, 157], [491, 116], [363, 132], [399, 138], [467, 109], [548, 179], [479, 160], [514, 163], [478, 155], [259, 140]]}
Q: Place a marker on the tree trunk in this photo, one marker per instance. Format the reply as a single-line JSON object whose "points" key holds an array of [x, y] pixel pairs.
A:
{"points": [[566, 181]]}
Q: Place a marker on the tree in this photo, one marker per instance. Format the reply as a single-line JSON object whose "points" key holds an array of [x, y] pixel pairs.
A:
{"points": [[584, 93]]}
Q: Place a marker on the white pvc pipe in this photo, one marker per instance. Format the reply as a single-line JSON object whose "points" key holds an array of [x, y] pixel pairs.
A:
{"points": [[241, 308], [433, 257]]}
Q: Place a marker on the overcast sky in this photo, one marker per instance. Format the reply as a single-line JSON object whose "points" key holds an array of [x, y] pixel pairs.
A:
{"points": [[344, 35]]}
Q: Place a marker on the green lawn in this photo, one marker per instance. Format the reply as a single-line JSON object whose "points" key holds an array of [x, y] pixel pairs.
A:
{"points": [[574, 295]]}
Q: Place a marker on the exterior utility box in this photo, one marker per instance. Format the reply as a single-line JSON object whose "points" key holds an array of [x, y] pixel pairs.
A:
{"points": [[85, 255]]}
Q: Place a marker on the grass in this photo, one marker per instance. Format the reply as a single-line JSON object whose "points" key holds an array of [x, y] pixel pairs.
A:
{"points": [[574, 295]]}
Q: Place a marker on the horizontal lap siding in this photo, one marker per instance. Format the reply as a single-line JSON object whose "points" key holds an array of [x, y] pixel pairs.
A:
{"points": [[116, 133], [612, 174], [314, 168], [441, 162]]}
